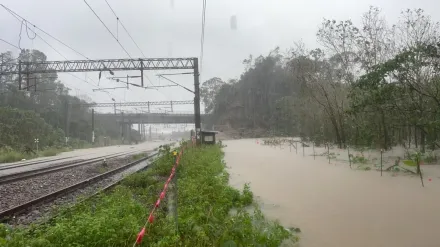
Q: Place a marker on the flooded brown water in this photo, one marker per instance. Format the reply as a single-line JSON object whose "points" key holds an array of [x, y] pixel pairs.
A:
{"points": [[333, 205]]}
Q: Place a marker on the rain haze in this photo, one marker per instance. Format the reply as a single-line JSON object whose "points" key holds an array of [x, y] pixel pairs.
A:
{"points": [[173, 29], [319, 123]]}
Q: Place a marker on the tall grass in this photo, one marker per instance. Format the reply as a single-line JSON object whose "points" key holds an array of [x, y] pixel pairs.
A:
{"points": [[8, 155], [11, 156], [204, 210], [138, 156], [49, 152]]}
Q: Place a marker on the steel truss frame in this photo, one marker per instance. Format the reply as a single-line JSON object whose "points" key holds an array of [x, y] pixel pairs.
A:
{"points": [[96, 65], [29, 68]]}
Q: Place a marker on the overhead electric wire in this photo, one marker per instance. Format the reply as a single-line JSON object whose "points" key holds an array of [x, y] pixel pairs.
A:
{"points": [[129, 35], [48, 34], [187, 89], [18, 17], [27, 30], [117, 40], [36, 35], [202, 38], [125, 29], [184, 73], [10, 44], [99, 18], [53, 48]]}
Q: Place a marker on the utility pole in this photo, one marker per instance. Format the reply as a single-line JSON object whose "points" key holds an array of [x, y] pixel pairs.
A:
{"points": [[19, 74], [142, 74], [1, 70], [27, 77], [93, 125], [141, 130], [129, 132], [122, 127], [140, 125], [66, 119], [36, 140], [116, 119], [197, 100]]}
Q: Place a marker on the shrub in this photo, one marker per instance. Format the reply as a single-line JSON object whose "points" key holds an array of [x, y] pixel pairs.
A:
{"points": [[11, 156], [205, 203], [358, 159], [138, 156], [49, 152]]}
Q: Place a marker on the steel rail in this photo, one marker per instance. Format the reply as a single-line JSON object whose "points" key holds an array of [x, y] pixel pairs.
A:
{"points": [[54, 195], [36, 162], [9, 178]]}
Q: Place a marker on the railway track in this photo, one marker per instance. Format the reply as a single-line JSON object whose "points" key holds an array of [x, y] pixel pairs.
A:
{"points": [[30, 162], [9, 178], [9, 213]]}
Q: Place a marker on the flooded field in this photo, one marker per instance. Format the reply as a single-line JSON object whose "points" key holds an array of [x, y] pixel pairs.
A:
{"points": [[333, 205]]}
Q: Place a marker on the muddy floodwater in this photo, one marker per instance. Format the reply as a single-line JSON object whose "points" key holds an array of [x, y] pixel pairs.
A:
{"points": [[333, 205]]}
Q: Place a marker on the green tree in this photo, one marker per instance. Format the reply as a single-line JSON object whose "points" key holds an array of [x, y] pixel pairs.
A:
{"points": [[208, 91]]}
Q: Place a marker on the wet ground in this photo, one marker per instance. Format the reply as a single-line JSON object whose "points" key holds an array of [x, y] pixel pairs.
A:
{"points": [[88, 153], [333, 205]]}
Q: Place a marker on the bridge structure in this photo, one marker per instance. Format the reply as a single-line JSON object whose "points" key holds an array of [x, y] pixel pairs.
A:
{"points": [[151, 118], [127, 120], [146, 104], [27, 70]]}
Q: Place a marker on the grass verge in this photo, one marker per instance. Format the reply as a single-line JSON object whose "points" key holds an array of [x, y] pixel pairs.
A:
{"points": [[7, 156], [138, 156], [11, 156], [205, 203]]}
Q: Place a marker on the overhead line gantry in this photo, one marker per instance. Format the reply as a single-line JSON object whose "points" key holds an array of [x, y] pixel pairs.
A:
{"points": [[28, 68]]}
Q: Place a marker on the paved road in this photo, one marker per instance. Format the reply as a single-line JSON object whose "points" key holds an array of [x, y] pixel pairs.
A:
{"points": [[79, 154]]}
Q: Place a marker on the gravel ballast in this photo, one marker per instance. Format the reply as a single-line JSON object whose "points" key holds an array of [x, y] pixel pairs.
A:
{"points": [[19, 192], [44, 211]]}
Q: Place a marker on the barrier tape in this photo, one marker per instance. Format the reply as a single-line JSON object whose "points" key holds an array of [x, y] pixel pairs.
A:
{"points": [[162, 194]]}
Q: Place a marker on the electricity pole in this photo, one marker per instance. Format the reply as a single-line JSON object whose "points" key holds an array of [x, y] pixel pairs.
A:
{"points": [[122, 127], [66, 119], [197, 100], [93, 125]]}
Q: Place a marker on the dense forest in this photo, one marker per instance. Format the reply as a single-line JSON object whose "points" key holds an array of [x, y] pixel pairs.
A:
{"points": [[45, 112], [370, 84]]}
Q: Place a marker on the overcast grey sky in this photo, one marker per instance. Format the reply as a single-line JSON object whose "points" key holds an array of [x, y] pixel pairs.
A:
{"points": [[162, 31]]}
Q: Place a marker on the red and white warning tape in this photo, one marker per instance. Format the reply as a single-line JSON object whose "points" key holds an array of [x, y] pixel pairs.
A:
{"points": [[150, 220]]}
